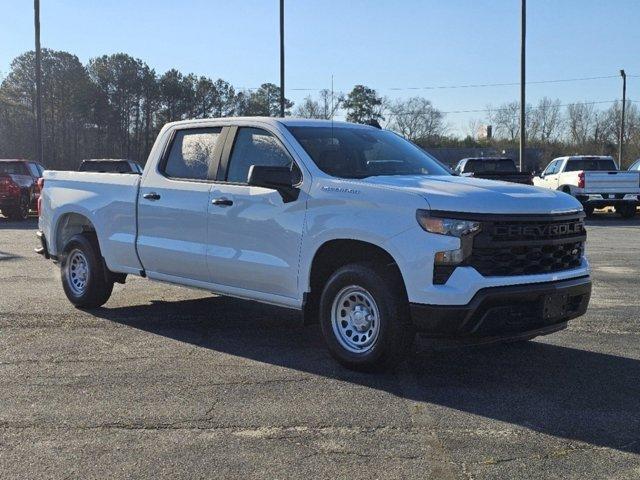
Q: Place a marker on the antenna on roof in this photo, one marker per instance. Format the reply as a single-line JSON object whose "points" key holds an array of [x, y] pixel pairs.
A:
{"points": [[332, 110]]}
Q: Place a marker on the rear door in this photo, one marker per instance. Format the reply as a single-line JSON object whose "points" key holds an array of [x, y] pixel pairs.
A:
{"points": [[254, 235], [173, 203]]}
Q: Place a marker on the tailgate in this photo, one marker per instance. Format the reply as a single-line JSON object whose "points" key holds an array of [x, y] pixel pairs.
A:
{"points": [[612, 182]]}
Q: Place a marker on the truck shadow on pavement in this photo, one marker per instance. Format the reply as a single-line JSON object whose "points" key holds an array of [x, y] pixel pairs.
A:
{"points": [[30, 224], [565, 392]]}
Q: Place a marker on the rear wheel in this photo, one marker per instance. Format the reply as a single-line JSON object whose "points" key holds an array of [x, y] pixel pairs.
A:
{"points": [[626, 210], [588, 211], [21, 211], [85, 278], [364, 318]]}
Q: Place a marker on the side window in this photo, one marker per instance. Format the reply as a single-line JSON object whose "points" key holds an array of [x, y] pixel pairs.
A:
{"points": [[192, 151], [254, 146], [550, 170]]}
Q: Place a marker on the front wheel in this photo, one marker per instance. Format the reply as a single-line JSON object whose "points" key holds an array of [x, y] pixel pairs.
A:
{"points": [[364, 318], [84, 275], [588, 211]]}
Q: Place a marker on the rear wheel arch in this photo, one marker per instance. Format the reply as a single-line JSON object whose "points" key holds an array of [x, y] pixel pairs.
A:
{"points": [[68, 225]]}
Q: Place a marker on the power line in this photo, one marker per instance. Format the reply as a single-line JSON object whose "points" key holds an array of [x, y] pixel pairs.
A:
{"points": [[486, 110], [482, 85]]}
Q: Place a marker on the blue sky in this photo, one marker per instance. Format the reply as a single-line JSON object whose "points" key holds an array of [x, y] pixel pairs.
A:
{"points": [[382, 44]]}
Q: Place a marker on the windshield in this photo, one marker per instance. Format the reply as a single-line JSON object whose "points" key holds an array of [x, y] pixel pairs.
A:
{"points": [[490, 165], [591, 164], [354, 152], [13, 168]]}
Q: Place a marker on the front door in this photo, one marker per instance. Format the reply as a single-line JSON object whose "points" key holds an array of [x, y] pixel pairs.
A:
{"points": [[173, 202], [254, 236]]}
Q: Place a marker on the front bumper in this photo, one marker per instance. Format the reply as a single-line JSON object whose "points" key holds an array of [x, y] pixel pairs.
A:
{"points": [[504, 312]]}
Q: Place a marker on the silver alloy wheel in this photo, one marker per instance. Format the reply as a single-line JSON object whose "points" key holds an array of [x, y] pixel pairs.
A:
{"points": [[77, 272], [355, 319]]}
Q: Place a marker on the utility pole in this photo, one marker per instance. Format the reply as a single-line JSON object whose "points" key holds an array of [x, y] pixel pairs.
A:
{"points": [[282, 58], [624, 101], [36, 8], [523, 133]]}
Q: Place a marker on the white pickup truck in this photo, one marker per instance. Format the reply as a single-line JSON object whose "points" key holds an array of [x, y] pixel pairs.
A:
{"points": [[595, 181], [354, 226]]}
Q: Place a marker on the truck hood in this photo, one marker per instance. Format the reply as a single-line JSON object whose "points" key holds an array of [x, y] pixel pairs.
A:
{"points": [[474, 195]]}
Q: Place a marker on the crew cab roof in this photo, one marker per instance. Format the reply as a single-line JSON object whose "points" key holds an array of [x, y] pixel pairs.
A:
{"points": [[584, 157], [288, 122]]}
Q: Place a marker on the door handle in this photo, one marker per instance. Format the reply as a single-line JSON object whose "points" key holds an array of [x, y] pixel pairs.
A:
{"points": [[222, 202], [151, 196]]}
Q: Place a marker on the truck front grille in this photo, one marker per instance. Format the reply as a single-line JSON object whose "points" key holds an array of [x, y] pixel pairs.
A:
{"points": [[528, 245], [526, 260]]}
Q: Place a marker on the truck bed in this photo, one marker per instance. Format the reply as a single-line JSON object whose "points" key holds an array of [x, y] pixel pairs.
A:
{"points": [[109, 199]]}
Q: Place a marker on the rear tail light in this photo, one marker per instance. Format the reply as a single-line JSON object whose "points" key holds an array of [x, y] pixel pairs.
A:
{"points": [[8, 185], [581, 180], [40, 184]]}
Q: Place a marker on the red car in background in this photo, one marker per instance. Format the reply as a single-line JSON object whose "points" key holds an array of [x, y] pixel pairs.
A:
{"points": [[19, 188]]}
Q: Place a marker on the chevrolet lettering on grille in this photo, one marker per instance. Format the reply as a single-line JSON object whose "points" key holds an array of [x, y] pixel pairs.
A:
{"points": [[548, 230]]}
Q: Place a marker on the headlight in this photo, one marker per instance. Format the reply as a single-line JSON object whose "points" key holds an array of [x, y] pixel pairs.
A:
{"points": [[446, 226]]}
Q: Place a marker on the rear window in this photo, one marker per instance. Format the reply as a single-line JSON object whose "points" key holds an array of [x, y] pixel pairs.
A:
{"points": [[13, 168], [192, 153], [497, 165], [106, 167], [591, 164]]}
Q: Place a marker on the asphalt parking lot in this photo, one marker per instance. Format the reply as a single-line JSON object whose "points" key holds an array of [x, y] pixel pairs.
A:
{"points": [[166, 382]]}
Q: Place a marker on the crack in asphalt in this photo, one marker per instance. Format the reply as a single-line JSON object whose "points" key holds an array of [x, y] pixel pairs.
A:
{"points": [[567, 450]]}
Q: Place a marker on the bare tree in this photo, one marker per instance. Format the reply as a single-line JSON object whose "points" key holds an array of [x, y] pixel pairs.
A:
{"points": [[473, 127], [546, 122], [581, 120], [416, 118], [506, 120], [324, 108], [631, 124]]}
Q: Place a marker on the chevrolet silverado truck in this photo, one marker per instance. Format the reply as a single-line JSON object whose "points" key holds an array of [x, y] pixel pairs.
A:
{"points": [[493, 168], [357, 228], [595, 181], [19, 187]]}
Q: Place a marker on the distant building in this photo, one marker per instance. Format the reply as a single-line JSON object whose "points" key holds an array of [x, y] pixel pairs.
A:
{"points": [[484, 132]]}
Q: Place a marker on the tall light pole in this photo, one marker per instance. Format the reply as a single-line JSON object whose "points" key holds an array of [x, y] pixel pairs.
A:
{"points": [[36, 20], [624, 101], [523, 32], [282, 58]]}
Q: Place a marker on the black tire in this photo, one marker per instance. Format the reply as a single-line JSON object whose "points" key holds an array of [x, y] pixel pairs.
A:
{"points": [[395, 332], [626, 211], [21, 211], [97, 284], [588, 211]]}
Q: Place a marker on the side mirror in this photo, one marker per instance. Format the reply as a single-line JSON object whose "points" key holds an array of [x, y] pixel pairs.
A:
{"points": [[276, 178]]}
